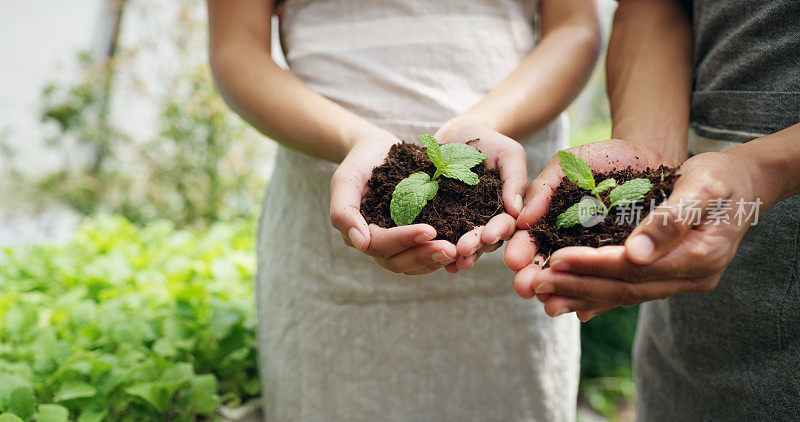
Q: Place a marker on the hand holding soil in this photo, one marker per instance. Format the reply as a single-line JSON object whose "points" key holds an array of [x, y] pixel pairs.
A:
{"points": [[665, 255], [467, 214], [606, 156], [406, 249], [507, 157]]}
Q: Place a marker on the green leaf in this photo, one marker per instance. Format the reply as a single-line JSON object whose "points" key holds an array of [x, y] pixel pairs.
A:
{"points": [[74, 390], [52, 413], [204, 394], [8, 383], [22, 402], [604, 186], [458, 154], [576, 170], [92, 415], [410, 196], [432, 148], [461, 173], [629, 192], [9, 417], [152, 393], [576, 214]]}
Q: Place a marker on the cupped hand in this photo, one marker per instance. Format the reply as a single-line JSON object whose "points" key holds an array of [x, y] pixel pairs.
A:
{"points": [[505, 155], [683, 246], [407, 249], [522, 254]]}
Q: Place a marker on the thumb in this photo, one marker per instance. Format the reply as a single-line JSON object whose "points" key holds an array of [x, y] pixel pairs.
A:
{"points": [[345, 210], [512, 166], [668, 223], [537, 197]]}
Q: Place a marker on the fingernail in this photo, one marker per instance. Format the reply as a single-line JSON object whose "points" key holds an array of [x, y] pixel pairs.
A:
{"points": [[423, 237], [561, 311], [441, 257], [559, 265], [518, 203], [641, 247], [356, 238], [545, 288]]}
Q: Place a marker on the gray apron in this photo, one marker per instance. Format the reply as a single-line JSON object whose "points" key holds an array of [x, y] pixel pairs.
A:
{"points": [[734, 353]]}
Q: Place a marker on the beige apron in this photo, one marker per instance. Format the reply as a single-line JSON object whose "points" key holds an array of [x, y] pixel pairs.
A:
{"points": [[342, 339]]}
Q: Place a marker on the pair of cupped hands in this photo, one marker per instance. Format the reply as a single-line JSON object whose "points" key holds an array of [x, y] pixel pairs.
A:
{"points": [[664, 256]]}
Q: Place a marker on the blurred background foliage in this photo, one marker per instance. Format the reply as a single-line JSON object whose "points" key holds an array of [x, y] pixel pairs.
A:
{"points": [[128, 323], [146, 313], [191, 173]]}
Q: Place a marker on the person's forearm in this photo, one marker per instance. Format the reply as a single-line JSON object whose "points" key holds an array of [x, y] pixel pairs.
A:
{"points": [[649, 75], [552, 75], [282, 107], [271, 99], [774, 163]]}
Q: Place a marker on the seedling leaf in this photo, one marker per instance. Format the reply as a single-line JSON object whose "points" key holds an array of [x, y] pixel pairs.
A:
{"points": [[629, 192], [410, 196], [576, 170], [433, 149], [461, 173], [461, 154], [454, 160], [576, 214], [604, 186]]}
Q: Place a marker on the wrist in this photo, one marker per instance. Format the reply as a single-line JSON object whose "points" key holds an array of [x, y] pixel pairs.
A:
{"points": [[770, 183], [474, 117], [671, 146], [350, 136]]}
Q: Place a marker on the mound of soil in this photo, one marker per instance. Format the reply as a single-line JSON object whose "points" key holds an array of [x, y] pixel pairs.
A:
{"points": [[615, 227], [457, 207]]}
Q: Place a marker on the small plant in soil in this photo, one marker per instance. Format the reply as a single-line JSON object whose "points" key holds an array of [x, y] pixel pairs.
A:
{"points": [[451, 160], [588, 209], [579, 173], [446, 186]]}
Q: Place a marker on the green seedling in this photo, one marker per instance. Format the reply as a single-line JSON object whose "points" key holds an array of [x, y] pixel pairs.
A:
{"points": [[454, 160], [578, 172]]}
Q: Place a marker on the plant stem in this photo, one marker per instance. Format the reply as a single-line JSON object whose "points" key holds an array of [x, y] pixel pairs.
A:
{"points": [[605, 208], [436, 174]]}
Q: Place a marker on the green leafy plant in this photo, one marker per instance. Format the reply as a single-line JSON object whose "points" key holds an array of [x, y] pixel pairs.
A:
{"points": [[453, 160], [127, 323], [578, 172]]}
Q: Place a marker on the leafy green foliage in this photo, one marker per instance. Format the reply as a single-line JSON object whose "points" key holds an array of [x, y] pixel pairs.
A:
{"points": [[198, 168], [630, 192], [606, 374], [577, 213], [127, 324], [410, 196], [578, 172], [453, 160], [604, 186]]}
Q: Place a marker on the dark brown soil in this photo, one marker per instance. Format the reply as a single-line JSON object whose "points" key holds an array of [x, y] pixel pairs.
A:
{"points": [[457, 207], [608, 232]]}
